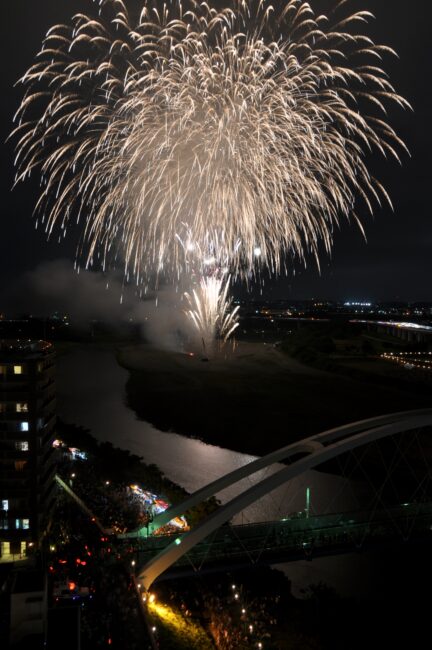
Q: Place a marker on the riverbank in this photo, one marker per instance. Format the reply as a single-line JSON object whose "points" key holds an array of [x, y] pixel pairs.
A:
{"points": [[253, 401], [123, 468]]}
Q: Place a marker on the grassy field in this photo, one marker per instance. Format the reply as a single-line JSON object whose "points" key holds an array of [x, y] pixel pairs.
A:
{"points": [[258, 398]]}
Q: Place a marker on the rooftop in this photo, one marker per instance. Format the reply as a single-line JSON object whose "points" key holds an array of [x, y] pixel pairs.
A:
{"points": [[23, 349]]}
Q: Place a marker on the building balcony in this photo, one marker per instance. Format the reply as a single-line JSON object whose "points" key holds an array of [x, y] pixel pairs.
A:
{"points": [[13, 534], [12, 454], [13, 489], [48, 475], [49, 456], [48, 401], [26, 391]]}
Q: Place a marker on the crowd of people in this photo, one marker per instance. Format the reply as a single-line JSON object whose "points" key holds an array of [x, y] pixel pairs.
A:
{"points": [[113, 504], [87, 571]]}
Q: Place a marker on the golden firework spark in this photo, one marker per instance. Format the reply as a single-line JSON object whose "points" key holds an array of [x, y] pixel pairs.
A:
{"points": [[243, 128], [209, 311]]}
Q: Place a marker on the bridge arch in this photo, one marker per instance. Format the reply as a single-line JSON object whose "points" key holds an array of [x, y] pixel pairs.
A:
{"points": [[307, 445], [315, 451]]}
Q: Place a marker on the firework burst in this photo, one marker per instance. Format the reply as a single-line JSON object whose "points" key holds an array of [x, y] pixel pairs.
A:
{"points": [[244, 127], [193, 136]]}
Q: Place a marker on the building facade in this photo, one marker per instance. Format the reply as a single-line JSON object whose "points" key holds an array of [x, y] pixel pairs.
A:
{"points": [[27, 426]]}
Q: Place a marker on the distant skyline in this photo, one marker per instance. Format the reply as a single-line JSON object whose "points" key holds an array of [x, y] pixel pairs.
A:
{"points": [[394, 264]]}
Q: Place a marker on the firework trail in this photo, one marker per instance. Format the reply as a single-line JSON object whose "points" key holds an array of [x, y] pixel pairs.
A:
{"points": [[232, 130], [209, 311]]}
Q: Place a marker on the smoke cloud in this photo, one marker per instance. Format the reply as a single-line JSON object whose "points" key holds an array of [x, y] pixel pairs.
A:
{"points": [[87, 296]]}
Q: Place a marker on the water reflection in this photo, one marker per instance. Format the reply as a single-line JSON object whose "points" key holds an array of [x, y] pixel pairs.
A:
{"points": [[91, 393]]}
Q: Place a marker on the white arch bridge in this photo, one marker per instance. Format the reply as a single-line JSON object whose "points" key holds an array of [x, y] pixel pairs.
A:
{"points": [[290, 539]]}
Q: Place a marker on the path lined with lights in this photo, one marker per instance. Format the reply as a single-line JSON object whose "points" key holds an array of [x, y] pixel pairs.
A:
{"points": [[410, 360], [244, 615]]}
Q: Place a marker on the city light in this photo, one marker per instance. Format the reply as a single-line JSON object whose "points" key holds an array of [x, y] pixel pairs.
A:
{"points": [[410, 360], [357, 304]]}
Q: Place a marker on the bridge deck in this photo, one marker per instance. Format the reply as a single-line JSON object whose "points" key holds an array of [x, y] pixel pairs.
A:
{"points": [[296, 538]]}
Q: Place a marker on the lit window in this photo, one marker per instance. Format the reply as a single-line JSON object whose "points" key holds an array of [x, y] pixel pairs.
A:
{"points": [[18, 370], [22, 445], [2, 370], [4, 524], [5, 504], [5, 548], [17, 523], [24, 426], [26, 524], [21, 407], [20, 465]]}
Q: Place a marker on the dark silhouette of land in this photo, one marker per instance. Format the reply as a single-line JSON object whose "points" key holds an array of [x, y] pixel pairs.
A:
{"points": [[264, 396]]}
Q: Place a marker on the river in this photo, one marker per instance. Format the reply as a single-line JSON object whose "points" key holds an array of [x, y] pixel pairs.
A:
{"points": [[91, 393]]}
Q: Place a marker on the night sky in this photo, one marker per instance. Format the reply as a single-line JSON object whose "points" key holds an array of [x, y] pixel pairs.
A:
{"points": [[396, 261]]}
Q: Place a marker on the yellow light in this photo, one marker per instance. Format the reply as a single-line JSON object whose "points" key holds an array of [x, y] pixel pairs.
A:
{"points": [[152, 598]]}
